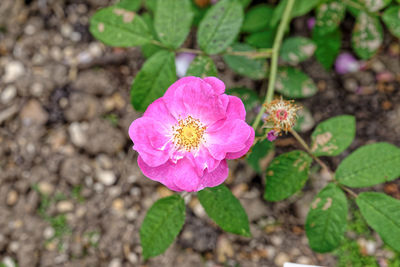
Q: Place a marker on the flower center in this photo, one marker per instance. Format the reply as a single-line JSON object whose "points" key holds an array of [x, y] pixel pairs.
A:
{"points": [[188, 133], [281, 114]]}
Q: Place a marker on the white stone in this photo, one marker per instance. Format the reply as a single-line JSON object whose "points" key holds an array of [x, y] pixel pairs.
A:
{"points": [[106, 177], [14, 70], [65, 206], [115, 263], [77, 132], [132, 258], [48, 232], [8, 94]]}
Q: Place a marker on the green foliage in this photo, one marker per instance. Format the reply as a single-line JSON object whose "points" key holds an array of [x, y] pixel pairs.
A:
{"points": [[328, 46], [370, 165], [297, 49], [263, 39], [172, 21], [249, 97], [252, 68], [220, 26], [259, 151], [286, 175], [391, 18], [131, 5], [225, 209], [333, 136], [305, 120], [116, 26], [294, 83], [255, 18], [374, 5], [367, 35], [156, 75], [327, 218], [329, 15], [202, 66], [349, 255], [162, 224], [300, 8], [382, 213]]}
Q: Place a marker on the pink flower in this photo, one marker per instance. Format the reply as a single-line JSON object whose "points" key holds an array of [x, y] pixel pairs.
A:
{"points": [[346, 63], [272, 135], [185, 137]]}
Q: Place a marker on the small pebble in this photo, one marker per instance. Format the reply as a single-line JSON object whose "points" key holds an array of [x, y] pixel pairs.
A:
{"points": [[281, 258], [13, 71], [48, 232], [12, 198], [45, 188], [115, 263], [8, 94], [8, 262], [106, 177], [65, 206]]}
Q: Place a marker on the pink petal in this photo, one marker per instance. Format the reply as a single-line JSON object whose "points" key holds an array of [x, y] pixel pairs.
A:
{"points": [[216, 84], [248, 144], [158, 111], [202, 160], [235, 108], [231, 136], [178, 177], [197, 99], [149, 141], [216, 177], [158, 174]]}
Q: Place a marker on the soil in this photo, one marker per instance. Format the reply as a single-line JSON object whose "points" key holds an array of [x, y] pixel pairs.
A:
{"points": [[71, 193]]}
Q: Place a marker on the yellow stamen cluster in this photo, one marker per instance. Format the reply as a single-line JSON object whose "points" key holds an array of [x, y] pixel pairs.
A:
{"points": [[188, 134], [282, 114]]}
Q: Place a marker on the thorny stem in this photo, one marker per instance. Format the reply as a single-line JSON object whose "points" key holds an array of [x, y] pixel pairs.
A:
{"points": [[307, 148], [274, 59]]}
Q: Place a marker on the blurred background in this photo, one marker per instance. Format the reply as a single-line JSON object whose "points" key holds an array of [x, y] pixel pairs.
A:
{"points": [[71, 193]]}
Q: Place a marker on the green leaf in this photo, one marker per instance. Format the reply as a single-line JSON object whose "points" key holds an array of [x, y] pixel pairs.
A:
{"points": [[327, 219], [245, 3], [162, 224], [264, 39], [374, 5], [286, 175], [202, 66], [258, 153], [151, 5], [294, 83], [252, 68], [116, 26], [333, 136], [305, 120], [131, 5], [329, 15], [172, 21], [367, 35], [150, 49], [297, 49], [328, 46], [249, 97], [156, 75], [370, 165], [254, 19], [382, 213], [225, 209], [391, 18], [300, 8], [220, 26]]}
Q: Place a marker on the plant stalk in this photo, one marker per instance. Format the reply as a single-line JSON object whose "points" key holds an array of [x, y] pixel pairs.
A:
{"points": [[274, 59]]}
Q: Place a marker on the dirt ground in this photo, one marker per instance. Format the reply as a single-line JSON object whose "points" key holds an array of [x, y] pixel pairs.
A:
{"points": [[71, 193]]}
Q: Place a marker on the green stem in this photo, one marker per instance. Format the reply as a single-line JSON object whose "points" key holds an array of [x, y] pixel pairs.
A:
{"points": [[307, 148], [274, 60]]}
